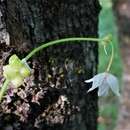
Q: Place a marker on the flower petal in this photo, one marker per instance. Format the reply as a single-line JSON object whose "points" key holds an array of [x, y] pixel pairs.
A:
{"points": [[104, 81], [103, 89], [9, 72], [18, 81], [113, 83], [97, 81], [25, 72], [92, 88], [14, 60], [89, 80]]}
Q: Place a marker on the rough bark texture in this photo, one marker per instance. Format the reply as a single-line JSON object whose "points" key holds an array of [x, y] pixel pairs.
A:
{"points": [[55, 97]]}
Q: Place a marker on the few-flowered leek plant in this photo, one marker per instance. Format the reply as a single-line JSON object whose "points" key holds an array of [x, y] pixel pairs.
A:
{"points": [[17, 70]]}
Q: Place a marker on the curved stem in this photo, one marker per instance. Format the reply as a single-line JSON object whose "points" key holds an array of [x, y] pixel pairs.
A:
{"points": [[111, 58], [3, 89], [60, 41]]}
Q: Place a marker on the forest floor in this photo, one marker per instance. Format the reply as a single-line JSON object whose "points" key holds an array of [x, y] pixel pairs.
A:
{"points": [[123, 18]]}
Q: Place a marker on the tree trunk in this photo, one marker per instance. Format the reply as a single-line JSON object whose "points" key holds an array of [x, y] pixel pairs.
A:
{"points": [[54, 97], [122, 9]]}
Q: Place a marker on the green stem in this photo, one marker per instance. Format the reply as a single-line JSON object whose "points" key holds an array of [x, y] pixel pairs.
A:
{"points": [[111, 58], [3, 89], [60, 41]]}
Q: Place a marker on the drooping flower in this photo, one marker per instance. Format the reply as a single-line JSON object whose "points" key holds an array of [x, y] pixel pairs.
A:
{"points": [[104, 82], [16, 71]]}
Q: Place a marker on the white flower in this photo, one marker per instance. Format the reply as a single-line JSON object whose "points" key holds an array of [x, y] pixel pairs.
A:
{"points": [[104, 81]]}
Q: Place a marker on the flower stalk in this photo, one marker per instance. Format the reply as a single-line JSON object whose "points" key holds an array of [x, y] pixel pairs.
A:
{"points": [[22, 70], [60, 41], [111, 58], [3, 89]]}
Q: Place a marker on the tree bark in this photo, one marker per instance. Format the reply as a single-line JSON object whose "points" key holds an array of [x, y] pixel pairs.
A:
{"points": [[55, 96]]}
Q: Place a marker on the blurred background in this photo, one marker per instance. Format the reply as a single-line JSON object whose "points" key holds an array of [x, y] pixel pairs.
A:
{"points": [[114, 112]]}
